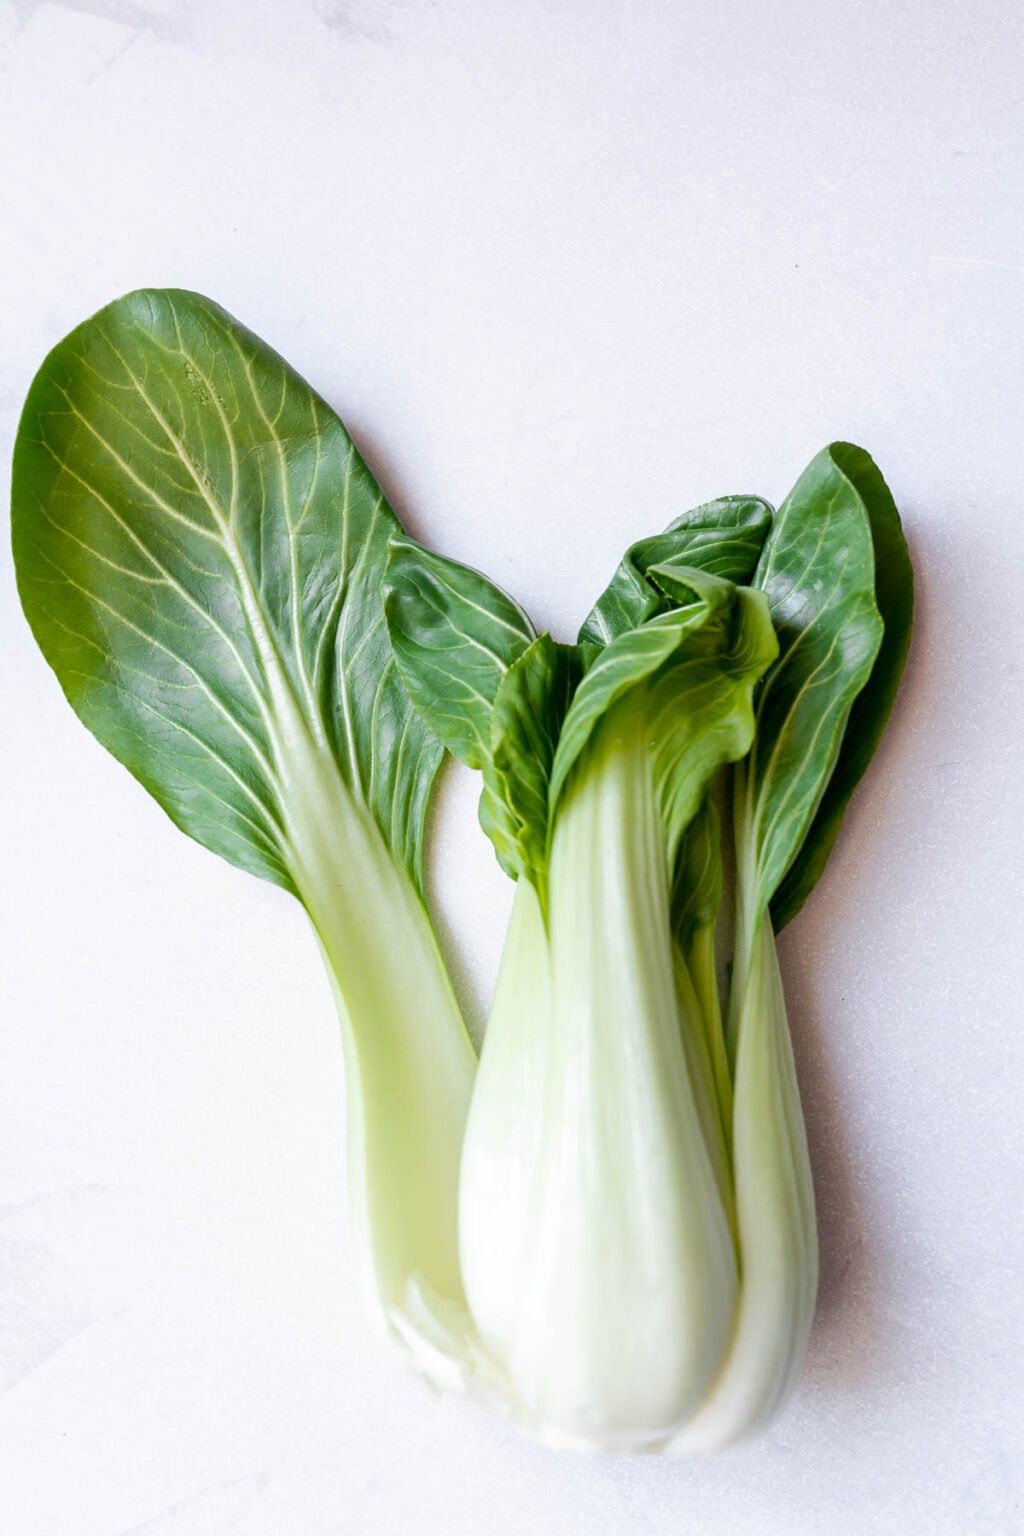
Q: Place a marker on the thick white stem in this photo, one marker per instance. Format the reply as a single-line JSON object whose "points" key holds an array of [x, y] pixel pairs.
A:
{"points": [[621, 1300], [409, 1063], [501, 1153]]}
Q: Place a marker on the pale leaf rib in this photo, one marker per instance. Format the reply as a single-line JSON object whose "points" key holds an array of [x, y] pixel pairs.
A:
{"points": [[218, 704], [269, 831], [343, 665], [98, 555], [132, 424], [166, 576], [150, 491], [210, 752], [108, 681], [259, 626], [312, 709], [307, 500], [485, 650], [283, 400], [777, 544], [491, 617], [330, 624]]}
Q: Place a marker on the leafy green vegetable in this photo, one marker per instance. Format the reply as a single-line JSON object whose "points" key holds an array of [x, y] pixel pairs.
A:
{"points": [[818, 572], [199, 550], [613, 1239], [596, 1045], [636, 1214]]}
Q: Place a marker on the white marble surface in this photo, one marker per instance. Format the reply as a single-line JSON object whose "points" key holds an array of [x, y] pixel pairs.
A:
{"points": [[565, 268]]}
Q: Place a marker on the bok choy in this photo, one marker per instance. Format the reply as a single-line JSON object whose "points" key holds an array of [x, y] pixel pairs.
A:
{"points": [[199, 550], [636, 1221], [606, 1228]]}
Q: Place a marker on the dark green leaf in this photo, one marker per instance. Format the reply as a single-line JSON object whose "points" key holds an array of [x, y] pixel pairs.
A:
{"points": [[818, 572], [199, 551], [698, 664], [529, 710], [894, 594], [699, 710], [723, 537], [454, 634]]}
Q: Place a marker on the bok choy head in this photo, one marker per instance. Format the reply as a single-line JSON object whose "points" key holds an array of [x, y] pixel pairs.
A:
{"points": [[199, 550], [636, 1210], [613, 1239]]}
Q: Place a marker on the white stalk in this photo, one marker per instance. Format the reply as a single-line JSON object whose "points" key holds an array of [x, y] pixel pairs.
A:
{"points": [[614, 1315], [501, 1156], [778, 1241], [409, 1062]]}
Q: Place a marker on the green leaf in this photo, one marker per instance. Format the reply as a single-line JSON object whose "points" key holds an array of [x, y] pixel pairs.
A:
{"points": [[454, 634], [894, 594], [818, 572], [491, 691], [529, 710], [199, 549], [632, 657], [722, 537], [699, 709]]}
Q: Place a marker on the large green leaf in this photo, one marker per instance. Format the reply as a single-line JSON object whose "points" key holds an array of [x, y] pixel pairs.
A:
{"points": [[199, 549], [894, 594], [455, 634], [818, 572], [490, 690], [722, 537]]}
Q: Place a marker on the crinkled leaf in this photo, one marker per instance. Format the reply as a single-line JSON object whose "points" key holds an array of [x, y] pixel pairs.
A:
{"points": [[722, 537], [454, 635], [199, 550], [626, 661], [529, 710], [894, 594], [818, 572], [698, 664], [699, 708]]}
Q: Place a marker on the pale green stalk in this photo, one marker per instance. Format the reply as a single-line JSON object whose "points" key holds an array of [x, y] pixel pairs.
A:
{"points": [[778, 1248], [623, 1197]]}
